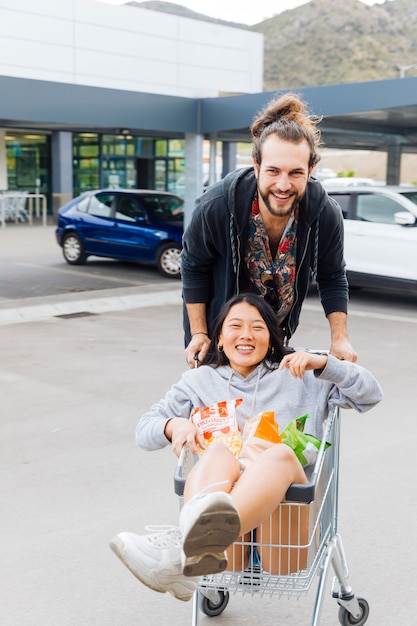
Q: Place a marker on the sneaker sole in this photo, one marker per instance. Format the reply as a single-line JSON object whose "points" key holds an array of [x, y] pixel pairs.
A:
{"points": [[214, 531], [118, 549], [205, 564]]}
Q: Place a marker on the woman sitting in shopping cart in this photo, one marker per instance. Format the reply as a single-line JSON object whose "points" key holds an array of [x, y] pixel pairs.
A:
{"points": [[223, 500]]}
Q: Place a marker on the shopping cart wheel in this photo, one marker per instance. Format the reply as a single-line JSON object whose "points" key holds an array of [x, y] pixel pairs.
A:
{"points": [[347, 619], [212, 609]]}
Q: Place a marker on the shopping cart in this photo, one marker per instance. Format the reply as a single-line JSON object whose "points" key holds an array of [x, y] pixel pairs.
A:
{"points": [[298, 542]]}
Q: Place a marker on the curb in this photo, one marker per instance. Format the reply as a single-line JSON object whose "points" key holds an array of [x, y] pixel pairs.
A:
{"points": [[41, 312]]}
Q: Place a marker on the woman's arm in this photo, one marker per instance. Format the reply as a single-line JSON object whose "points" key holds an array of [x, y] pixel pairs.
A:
{"points": [[151, 429], [352, 386]]}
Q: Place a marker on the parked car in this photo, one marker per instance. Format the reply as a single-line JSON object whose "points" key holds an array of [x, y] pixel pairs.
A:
{"points": [[380, 234], [348, 181], [134, 225]]}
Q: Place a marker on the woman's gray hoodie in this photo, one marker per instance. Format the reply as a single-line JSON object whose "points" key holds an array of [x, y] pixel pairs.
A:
{"points": [[340, 383]]}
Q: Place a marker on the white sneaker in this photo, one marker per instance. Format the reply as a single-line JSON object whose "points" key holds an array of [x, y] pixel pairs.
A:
{"points": [[155, 559], [209, 524]]}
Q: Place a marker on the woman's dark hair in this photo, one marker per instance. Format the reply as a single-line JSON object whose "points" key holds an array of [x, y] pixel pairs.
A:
{"points": [[277, 349]]}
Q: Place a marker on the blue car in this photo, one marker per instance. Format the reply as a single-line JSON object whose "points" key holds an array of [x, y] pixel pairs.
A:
{"points": [[133, 225]]}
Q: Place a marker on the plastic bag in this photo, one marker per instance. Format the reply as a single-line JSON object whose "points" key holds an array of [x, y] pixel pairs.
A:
{"points": [[260, 432], [305, 446], [219, 423]]}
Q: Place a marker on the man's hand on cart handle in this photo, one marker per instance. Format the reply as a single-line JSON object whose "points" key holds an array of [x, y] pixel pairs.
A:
{"points": [[197, 349]]}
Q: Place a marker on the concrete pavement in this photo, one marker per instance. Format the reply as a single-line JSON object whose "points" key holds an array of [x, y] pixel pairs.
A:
{"points": [[32, 244], [71, 477]]}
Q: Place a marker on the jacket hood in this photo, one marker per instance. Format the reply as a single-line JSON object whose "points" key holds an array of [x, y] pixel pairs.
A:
{"points": [[216, 384], [314, 201]]}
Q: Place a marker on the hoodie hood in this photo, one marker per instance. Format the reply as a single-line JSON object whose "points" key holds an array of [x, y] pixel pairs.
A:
{"points": [[211, 385]]}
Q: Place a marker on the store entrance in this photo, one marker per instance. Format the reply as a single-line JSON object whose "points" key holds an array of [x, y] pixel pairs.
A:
{"points": [[145, 173], [28, 164]]}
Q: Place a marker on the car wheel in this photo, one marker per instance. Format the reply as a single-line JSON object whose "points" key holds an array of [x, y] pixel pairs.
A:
{"points": [[168, 260], [73, 249]]}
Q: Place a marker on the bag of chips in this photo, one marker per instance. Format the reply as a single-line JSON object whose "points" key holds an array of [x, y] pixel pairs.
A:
{"points": [[219, 423]]}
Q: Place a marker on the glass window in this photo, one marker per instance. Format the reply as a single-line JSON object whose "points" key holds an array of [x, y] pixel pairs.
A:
{"points": [[130, 173], [122, 161], [176, 176], [161, 147], [411, 195], [82, 206], [88, 150], [145, 148], [28, 162], [119, 172], [100, 205], [129, 209], [86, 162], [160, 174], [377, 208], [165, 208], [176, 148], [343, 201], [114, 145]]}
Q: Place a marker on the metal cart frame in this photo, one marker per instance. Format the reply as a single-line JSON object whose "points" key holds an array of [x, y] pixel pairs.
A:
{"points": [[304, 543]]}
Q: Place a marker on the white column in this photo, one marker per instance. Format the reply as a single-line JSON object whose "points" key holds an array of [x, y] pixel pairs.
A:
{"points": [[213, 159], [3, 160], [193, 173]]}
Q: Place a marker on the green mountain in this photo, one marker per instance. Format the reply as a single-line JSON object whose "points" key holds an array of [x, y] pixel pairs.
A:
{"points": [[178, 9], [330, 41]]}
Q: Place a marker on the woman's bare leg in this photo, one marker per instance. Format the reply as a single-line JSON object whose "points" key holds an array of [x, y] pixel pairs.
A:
{"points": [[217, 465], [264, 483], [257, 491]]}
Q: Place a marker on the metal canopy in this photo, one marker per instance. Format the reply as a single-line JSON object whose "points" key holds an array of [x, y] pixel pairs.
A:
{"points": [[371, 115]]}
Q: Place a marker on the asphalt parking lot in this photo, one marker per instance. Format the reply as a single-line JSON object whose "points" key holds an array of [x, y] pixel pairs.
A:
{"points": [[73, 388]]}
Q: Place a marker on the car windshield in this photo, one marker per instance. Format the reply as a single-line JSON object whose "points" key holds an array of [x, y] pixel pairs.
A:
{"points": [[411, 195], [165, 208]]}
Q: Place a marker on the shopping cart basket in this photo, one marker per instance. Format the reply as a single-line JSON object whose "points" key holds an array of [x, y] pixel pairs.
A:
{"points": [[298, 542]]}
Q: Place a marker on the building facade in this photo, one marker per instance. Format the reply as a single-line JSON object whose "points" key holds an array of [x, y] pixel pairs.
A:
{"points": [[95, 95]]}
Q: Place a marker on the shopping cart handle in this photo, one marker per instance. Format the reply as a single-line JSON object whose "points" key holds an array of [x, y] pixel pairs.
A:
{"points": [[295, 493], [302, 493]]}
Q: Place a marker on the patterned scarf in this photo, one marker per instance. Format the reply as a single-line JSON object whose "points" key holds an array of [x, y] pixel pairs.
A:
{"points": [[272, 278]]}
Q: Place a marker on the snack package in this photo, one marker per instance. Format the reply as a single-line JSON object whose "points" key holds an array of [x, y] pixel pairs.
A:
{"points": [[260, 432], [219, 423], [305, 446]]}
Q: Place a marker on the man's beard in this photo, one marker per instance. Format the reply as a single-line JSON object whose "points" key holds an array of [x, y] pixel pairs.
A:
{"points": [[279, 212]]}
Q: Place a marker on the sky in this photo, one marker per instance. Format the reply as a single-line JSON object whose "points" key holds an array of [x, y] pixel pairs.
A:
{"points": [[250, 12]]}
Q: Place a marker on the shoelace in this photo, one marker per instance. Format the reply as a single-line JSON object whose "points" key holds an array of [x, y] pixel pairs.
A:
{"points": [[205, 490], [164, 535]]}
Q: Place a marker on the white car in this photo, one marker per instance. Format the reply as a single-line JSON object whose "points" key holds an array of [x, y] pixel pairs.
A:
{"points": [[380, 235], [348, 181]]}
